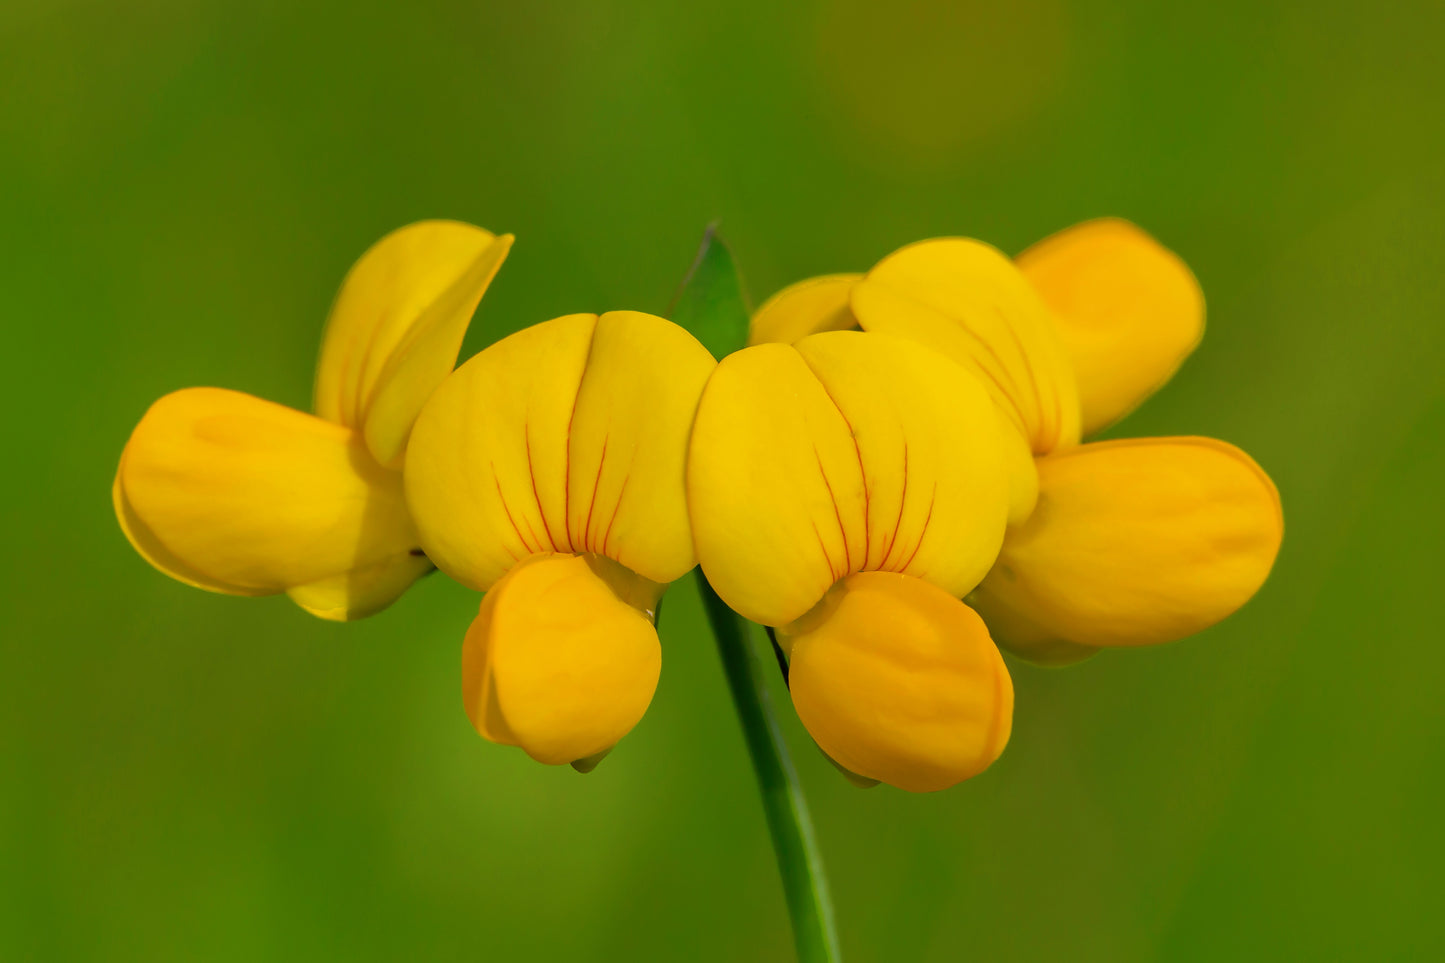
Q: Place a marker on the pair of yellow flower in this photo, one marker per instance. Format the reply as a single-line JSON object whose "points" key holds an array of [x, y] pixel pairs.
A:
{"points": [[848, 487]]}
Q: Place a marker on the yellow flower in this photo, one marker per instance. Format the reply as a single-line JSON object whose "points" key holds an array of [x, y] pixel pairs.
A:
{"points": [[1131, 542], [849, 489], [231, 493], [547, 471]]}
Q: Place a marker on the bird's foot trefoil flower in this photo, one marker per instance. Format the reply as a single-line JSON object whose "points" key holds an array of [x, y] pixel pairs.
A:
{"points": [[1114, 543], [849, 489], [227, 492], [548, 472]]}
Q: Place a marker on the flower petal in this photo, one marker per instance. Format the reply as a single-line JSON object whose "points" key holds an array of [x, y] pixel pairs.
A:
{"points": [[966, 299], [846, 452], [627, 448], [808, 307], [486, 468], [898, 681], [1129, 312], [557, 661], [768, 531], [1023, 473], [569, 436], [397, 326], [1134, 542], [234, 494]]}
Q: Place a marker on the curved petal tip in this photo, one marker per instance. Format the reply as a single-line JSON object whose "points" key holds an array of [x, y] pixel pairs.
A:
{"points": [[898, 681], [557, 662]]}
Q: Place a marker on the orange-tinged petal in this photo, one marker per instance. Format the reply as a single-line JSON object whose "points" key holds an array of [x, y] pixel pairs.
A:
{"points": [[846, 452], [808, 307], [397, 326], [563, 659], [234, 494], [967, 300], [569, 436], [153, 550], [898, 681], [1129, 312], [1134, 542]]}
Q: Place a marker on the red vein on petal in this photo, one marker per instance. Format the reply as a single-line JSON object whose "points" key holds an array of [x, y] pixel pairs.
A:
{"points": [[1027, 359], [932, 499], [862, 477], [607, 538], [897, 522], [567, 481], [837, 512], [961, 324], [1003, 367], [596, 484], [532, 474], [823, 547], [567, 456], [503, 499]]}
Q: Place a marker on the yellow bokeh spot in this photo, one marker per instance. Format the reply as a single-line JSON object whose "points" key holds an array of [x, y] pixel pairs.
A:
{"points": [[925, 83]]}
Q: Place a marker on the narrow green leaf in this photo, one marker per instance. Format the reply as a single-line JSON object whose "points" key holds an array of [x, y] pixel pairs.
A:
{"points": [[711, 303]]}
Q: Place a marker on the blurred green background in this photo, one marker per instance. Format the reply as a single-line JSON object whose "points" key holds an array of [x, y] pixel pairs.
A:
{"points": [[192, 777]]}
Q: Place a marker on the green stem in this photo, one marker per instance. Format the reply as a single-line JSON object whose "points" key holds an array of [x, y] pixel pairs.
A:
{"points": [[804, 885]]}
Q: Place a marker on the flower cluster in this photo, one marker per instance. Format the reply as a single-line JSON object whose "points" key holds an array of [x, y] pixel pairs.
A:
{"points": [[890, 476]]}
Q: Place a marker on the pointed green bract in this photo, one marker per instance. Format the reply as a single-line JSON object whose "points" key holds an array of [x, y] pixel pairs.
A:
{"points": [[711, 304]]}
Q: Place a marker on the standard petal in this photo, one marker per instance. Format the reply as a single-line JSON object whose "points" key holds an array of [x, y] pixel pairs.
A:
{"points": [[929, 451], [844, 453], [967, 300], [569, 436], [1128, 310], [397, 326], [487, 466], [765, 447], [627, 437], [557, 661], [808, 307], [1134, 542], [234, 494], [898, 681]]}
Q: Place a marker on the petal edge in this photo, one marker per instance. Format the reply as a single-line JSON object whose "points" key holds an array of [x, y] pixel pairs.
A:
{"points": [[1136, 542], [1128, 310]]}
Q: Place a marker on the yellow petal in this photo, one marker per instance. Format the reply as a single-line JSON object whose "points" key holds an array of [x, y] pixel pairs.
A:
{"points": [[487, 461], [846, 452], [557, 661], [1023, 474], [1128, 310], [230, 493], [627, 455], [808, 307], [1134, 542], [397, 326], [898, 681], [768, 531], [569, 436], [967, 300], [361, 591], [1024, 638]]}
